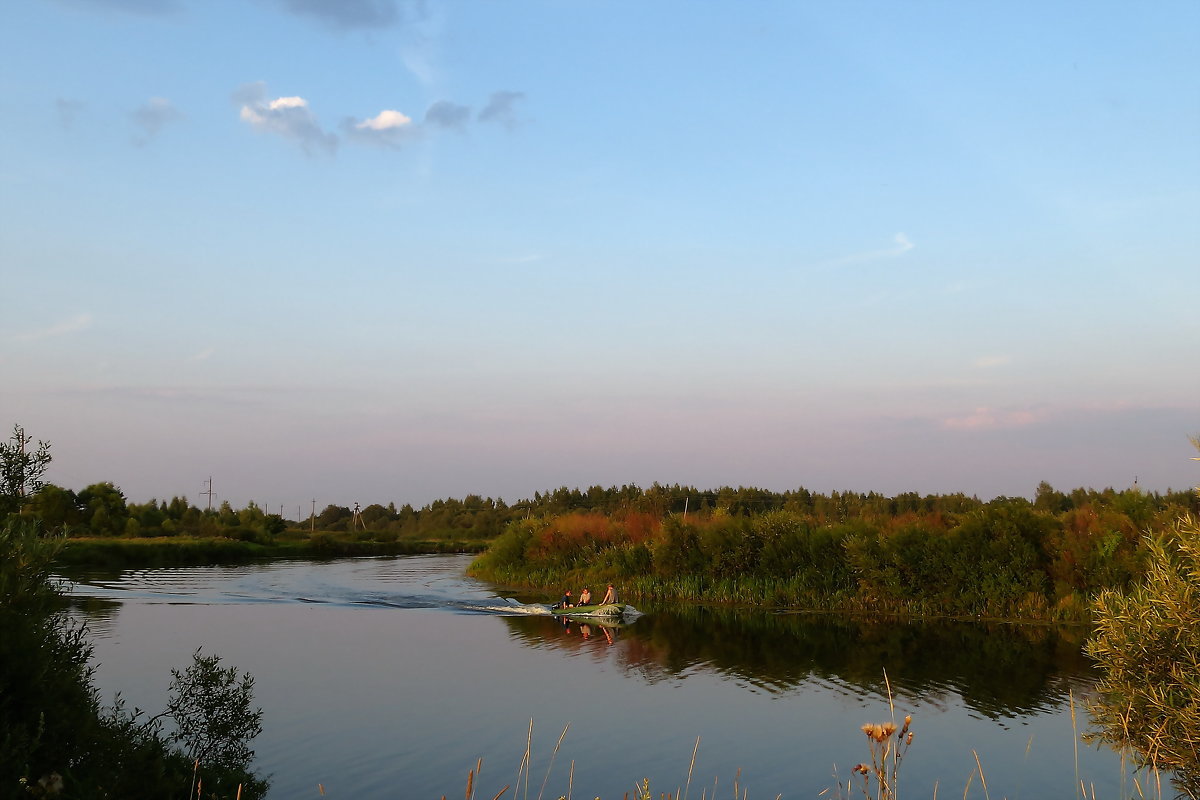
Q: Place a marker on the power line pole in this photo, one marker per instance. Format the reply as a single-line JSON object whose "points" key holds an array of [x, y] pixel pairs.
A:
{"points": [[209, 493], [312, 528]]}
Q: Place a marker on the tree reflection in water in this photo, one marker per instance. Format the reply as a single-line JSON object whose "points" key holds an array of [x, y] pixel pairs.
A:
{"points": [[999, 670]]}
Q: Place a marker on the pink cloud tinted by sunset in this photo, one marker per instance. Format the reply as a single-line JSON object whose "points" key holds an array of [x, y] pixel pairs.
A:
{"points": [[984, 418]]}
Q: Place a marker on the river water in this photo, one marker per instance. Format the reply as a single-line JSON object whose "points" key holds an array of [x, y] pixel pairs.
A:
{"points": [[392, 677]]}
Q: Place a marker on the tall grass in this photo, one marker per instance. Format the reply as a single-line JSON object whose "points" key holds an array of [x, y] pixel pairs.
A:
{"points": [[878, 777]]}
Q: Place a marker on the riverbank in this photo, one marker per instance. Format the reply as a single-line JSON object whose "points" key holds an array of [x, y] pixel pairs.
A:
{"points": [[190, 550]]}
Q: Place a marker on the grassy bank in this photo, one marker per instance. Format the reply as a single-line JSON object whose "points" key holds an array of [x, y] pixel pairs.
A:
{"points": [[190, 550]]}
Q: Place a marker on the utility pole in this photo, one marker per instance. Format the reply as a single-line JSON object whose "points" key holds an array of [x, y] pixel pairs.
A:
{"points": [[312, 528], [209, 493]]}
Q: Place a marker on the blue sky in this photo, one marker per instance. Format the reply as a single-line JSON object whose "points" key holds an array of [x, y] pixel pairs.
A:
{"points": [[376, 250]]}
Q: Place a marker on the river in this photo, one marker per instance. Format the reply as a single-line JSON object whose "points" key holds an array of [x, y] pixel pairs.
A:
{"points": [[392, 677]]}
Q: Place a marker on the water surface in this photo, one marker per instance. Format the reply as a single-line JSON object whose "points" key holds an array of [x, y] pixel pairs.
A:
{"points": [[390, 677]]}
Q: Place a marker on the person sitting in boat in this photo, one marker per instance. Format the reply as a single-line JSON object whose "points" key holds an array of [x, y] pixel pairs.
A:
{"points": [[585, 597], [566, 600], [610, 596]]}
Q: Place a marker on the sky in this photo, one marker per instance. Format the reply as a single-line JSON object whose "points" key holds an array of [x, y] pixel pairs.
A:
{"points": [[391, 251]]}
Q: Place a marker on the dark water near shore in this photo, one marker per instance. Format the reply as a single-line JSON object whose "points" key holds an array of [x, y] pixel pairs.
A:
{"points": [[390, 677]]}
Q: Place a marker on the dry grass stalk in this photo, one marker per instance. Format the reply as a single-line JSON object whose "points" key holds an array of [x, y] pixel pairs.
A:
{"points": [[550, 767], [471, 784], [982, 777], [523, 769], [687, 786]]}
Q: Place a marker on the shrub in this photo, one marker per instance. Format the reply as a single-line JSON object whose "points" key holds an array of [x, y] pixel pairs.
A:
{"points": [[1147, 643], [25, 558]]}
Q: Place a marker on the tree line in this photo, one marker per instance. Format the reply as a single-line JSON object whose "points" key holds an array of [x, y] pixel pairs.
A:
{"points": [[102, 509]]}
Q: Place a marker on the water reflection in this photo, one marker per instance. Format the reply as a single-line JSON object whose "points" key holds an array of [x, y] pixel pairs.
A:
{"points": [[999, 670], [98, 613]]}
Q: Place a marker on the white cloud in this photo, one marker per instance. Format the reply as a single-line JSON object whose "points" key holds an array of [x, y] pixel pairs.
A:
{"points": [[385, 120], [289, 117], [204, 354], [388, 128], [79, 322]]}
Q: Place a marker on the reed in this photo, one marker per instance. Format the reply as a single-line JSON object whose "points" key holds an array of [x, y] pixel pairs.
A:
{"points": [[877, 778]]}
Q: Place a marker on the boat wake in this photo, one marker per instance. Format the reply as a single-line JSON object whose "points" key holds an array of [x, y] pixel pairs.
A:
{"points": [[412, 582], [507, 605]]}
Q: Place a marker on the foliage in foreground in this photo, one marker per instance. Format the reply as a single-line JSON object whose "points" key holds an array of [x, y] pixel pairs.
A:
{"points": [[1147, 642], [57, 737]]}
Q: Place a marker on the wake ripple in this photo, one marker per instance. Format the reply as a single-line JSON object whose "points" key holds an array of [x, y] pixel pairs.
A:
{"points": [[410, 582]]}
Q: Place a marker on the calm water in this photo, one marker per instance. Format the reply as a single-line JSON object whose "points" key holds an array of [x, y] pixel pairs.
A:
{"points": [[390, 677]]}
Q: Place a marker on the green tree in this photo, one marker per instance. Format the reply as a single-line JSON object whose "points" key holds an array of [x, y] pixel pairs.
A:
{"points": [[104, 509], [1048, 499], [55, 507], [21, 469], [333, 518]]}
